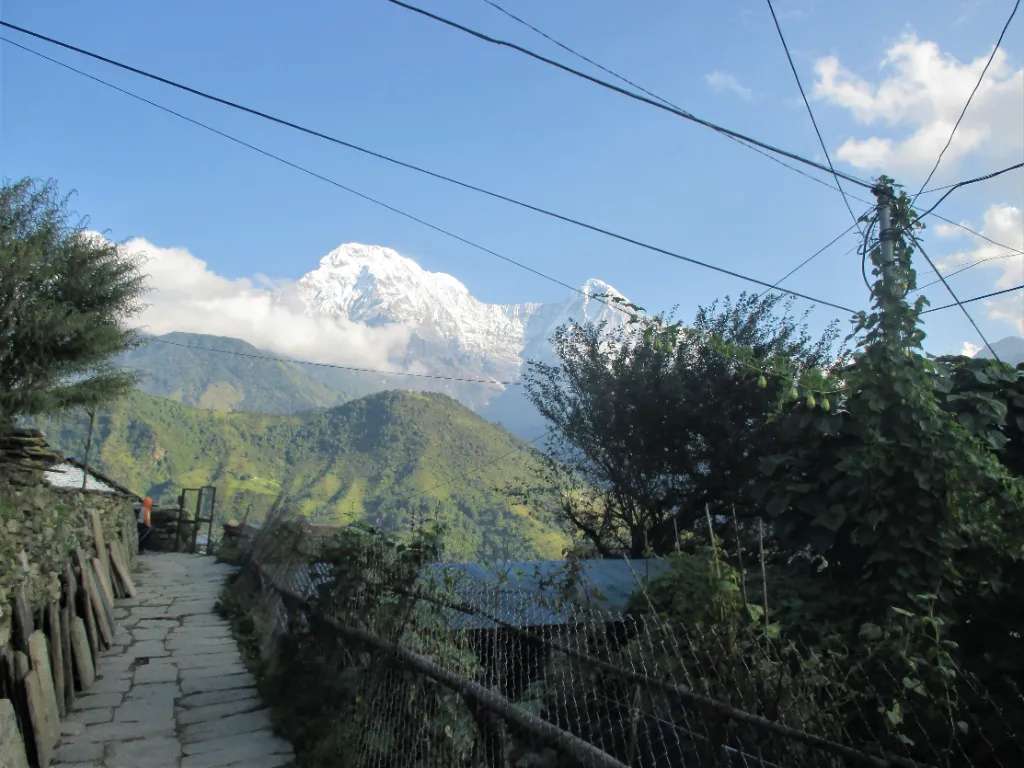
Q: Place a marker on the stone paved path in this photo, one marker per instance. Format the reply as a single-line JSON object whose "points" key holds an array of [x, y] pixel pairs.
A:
{"points": [[174, 692]]}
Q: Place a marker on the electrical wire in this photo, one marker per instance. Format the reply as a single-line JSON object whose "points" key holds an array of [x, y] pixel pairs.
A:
{"points": [[354, 369], [963, 112], [977, 234], [864, 248], [811, 258], [296, 166], [975, 298], [954, 187], [520, 203], [810, 113], [654, 102], [321, 177], [633, 84], [969, 266], [956, 298]]}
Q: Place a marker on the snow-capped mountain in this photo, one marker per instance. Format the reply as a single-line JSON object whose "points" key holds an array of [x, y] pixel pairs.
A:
{"points": [[451, 331]]}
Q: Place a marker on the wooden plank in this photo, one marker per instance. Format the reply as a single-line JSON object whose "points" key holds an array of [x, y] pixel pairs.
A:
{"points": [[82, 653], [12, 749], [115, 581], [106, 598], [84, 608], [43, 726], [13, 670], [70, 585], [121, 566], [106, 632], [44, 711], [23, 624], [69, 664], [103, 578], [101, 543], [56, 655], [22, 666]]}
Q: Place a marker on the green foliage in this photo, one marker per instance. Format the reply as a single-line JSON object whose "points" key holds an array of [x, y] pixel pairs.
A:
{"points": [[987, 397], [658, 420], [327, 691], [228, 382], [893, 493], [65, 294], [393, 459], [699, 590]]}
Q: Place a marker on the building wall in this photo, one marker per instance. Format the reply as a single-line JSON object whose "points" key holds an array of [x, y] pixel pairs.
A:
{"points": [[40, 526]]}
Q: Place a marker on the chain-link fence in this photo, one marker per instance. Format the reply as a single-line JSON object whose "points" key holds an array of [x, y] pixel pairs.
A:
{"points": [[432, 665]]}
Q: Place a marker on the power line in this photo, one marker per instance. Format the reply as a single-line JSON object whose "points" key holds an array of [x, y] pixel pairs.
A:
{"points": [[632, 83], [755, 146], [976, 298], [352, 368], [419, 169], [955, 297], [314, 174], [986, 238], [654, 102], [954, 187], [810, 113], [969, 266], [321, 177], [817, 253], [963, 112]]}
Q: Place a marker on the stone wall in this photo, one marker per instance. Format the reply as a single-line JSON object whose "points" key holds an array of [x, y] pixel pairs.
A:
{"points": [[40, 526]]}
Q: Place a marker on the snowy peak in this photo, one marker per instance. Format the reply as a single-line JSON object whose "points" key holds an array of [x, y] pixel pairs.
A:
{"points": [[374, 284], [452, 331]]}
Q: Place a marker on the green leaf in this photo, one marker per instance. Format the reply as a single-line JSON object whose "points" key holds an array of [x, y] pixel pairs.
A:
{"points": [[870, 632]]}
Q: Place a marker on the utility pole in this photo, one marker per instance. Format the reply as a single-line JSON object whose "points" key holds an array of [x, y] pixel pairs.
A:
{"points": [[886, 235], [88, 445]]}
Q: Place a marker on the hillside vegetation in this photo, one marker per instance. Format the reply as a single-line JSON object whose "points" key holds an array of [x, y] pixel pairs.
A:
{"points": [[391, 459], [176, 366]]}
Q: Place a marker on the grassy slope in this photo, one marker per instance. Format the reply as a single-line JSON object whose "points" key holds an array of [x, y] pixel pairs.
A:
{"points": [[389, 459]]}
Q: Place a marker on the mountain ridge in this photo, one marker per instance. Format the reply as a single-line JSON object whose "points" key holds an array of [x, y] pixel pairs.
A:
{"points": [[392, 459], [443, 329]]}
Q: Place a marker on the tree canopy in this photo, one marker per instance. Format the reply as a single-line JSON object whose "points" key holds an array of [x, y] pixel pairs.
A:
{"points": [[65, 296], [656, 422]]}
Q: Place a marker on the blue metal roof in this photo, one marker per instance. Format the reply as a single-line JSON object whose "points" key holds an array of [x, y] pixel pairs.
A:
{"points": [[535, 593]]}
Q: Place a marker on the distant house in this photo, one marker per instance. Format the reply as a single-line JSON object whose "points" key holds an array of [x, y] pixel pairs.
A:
{"points": [[70, 473]]}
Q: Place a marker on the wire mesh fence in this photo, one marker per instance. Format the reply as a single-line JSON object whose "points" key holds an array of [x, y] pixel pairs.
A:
{"points": [[437, 667]]}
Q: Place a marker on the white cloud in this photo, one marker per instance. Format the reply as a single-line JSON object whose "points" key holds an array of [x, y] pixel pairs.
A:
{"points": [[918, 98], [186, 295], [948, 230], [723, 82], [969, 349], [1005, 224]]}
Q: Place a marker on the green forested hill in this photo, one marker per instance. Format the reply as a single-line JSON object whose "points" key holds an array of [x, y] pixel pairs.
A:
{"points": [[176, 366], [389, 459]]}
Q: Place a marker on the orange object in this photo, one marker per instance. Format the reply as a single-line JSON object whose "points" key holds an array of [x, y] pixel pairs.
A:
{"points": [[147, 511]]}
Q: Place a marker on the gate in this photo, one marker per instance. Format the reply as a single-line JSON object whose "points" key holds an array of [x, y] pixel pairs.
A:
{"points": [[197, 506]]}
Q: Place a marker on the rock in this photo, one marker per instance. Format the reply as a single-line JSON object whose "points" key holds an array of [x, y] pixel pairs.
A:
{"points": [[82, 653], [39, 656], [44, 722], [12, 750]]}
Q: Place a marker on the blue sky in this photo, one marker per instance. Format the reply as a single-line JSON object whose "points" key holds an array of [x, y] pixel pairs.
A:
{"points": [[371, 73]]}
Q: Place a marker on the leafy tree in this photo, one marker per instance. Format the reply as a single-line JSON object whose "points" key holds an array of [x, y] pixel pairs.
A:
{"points": [[65, 294], [655, 421], [988, 399], [899, 494]]}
